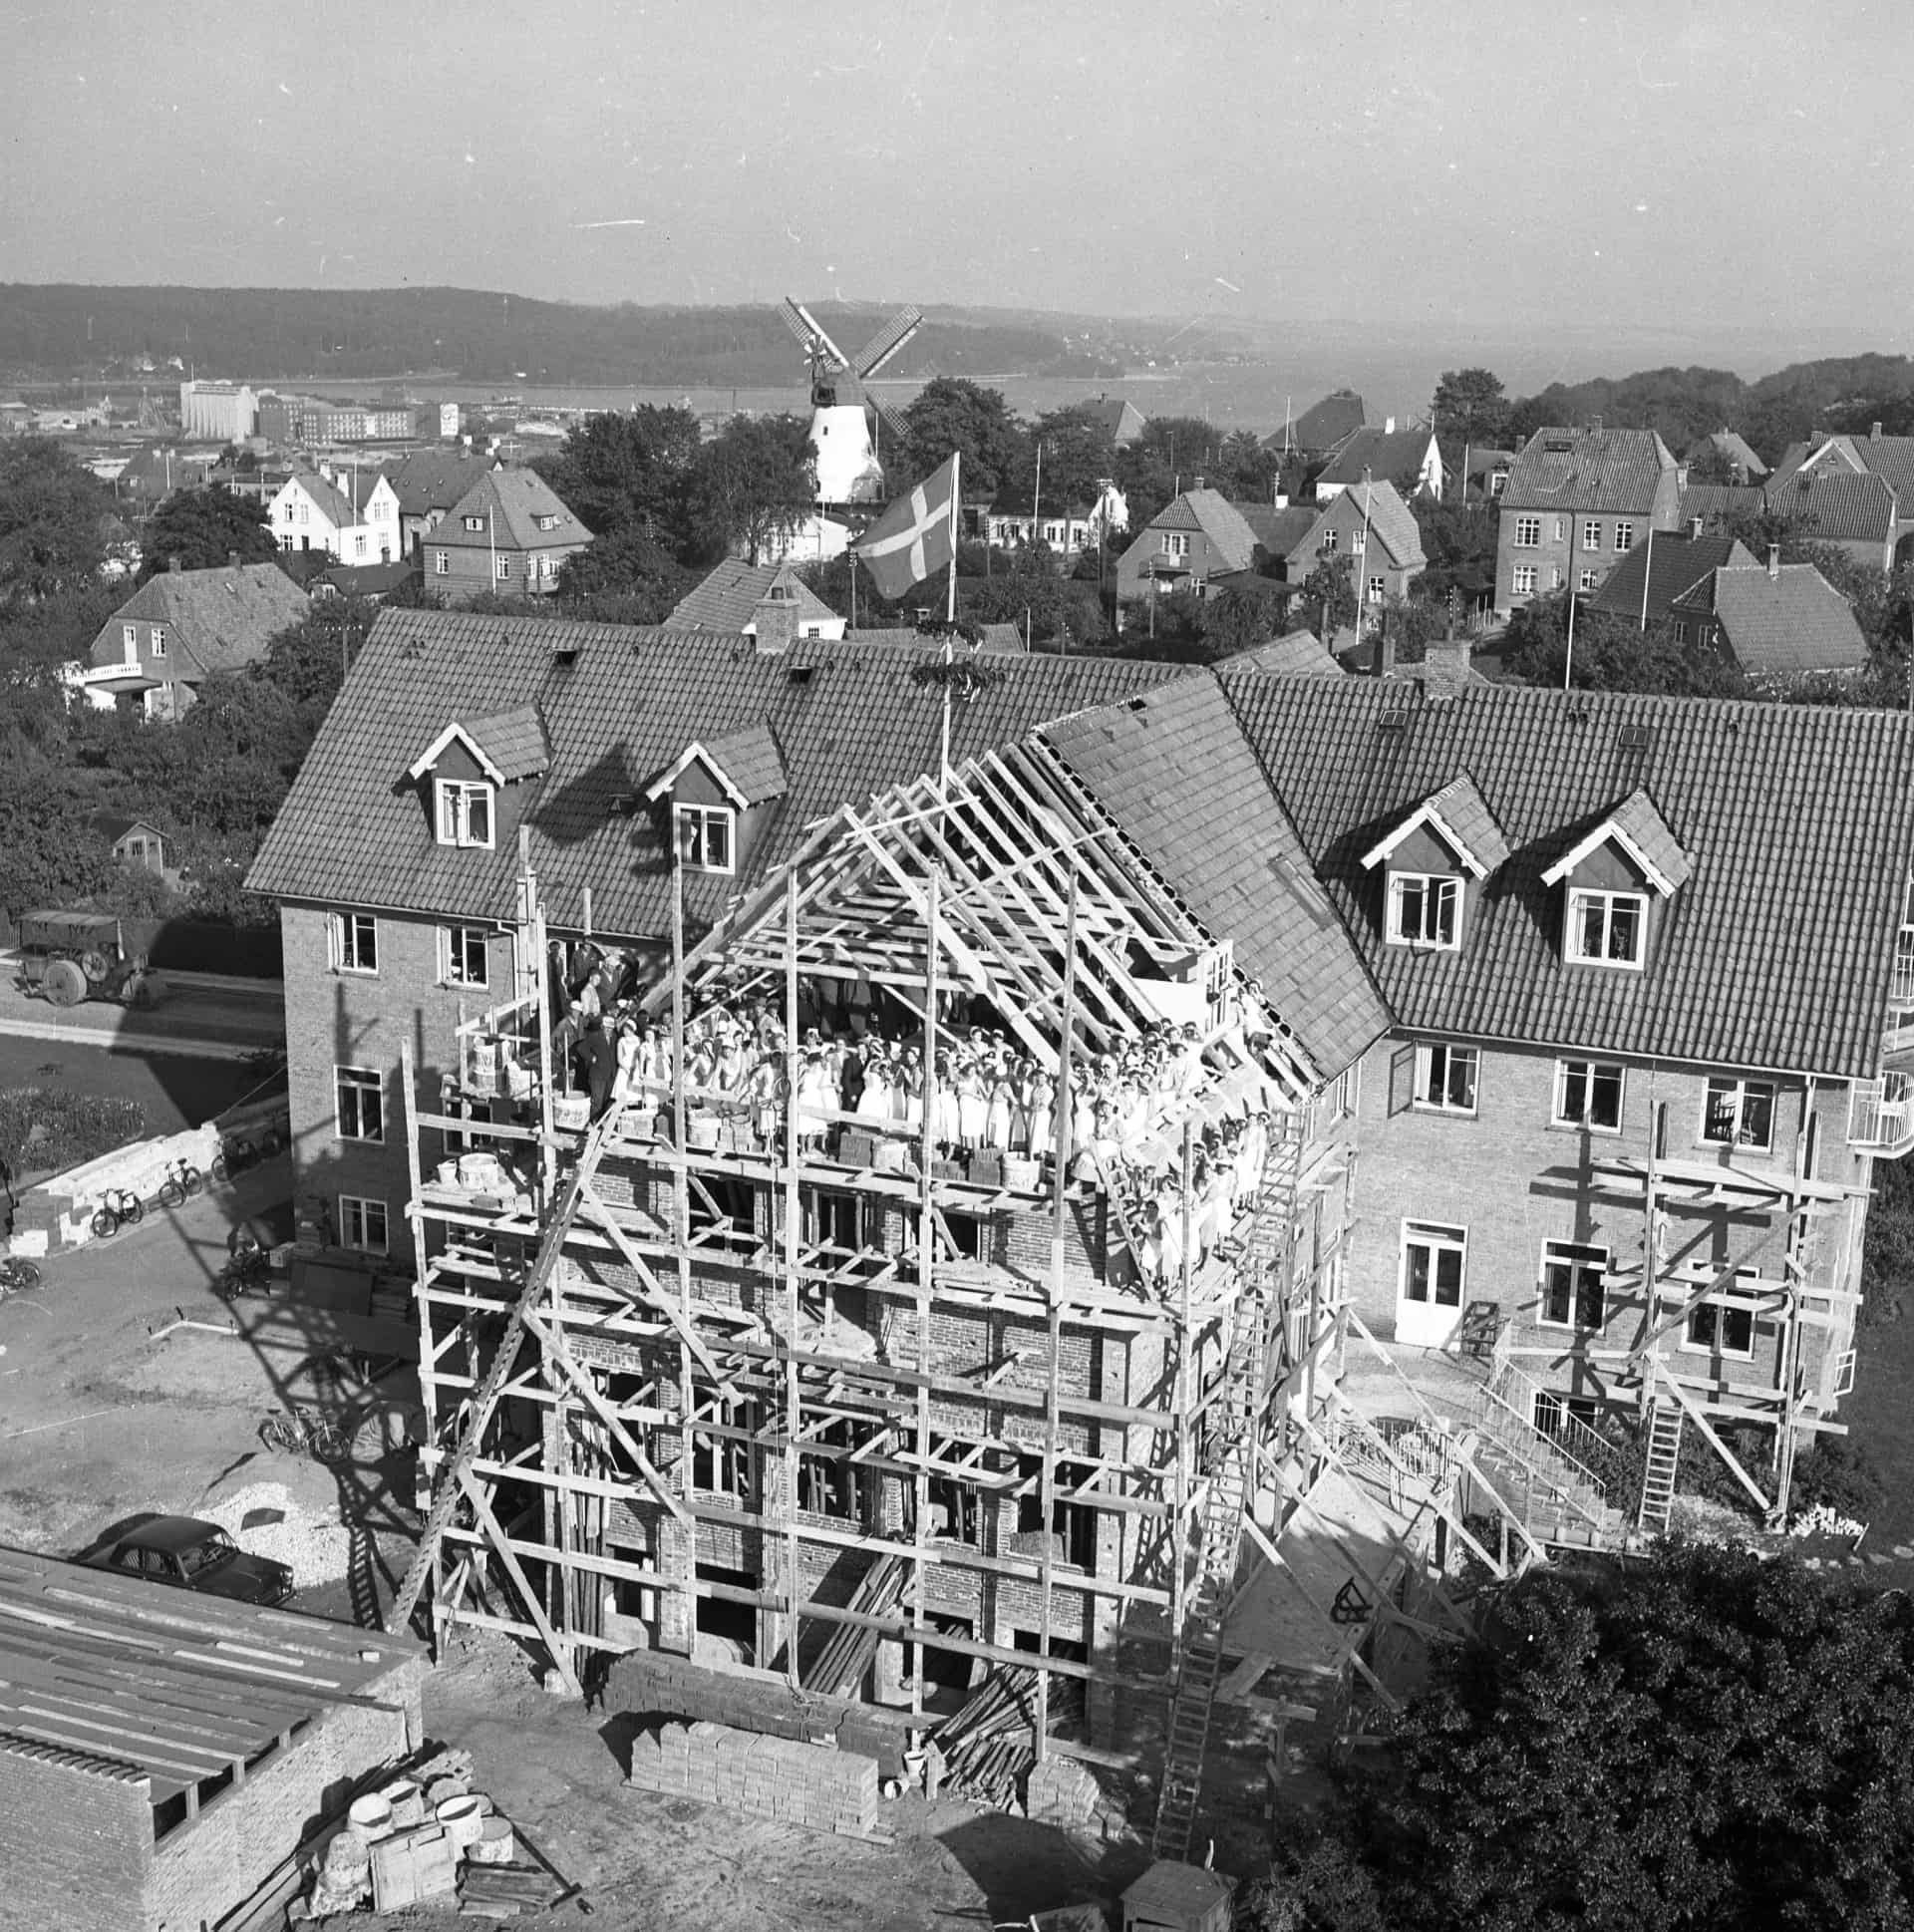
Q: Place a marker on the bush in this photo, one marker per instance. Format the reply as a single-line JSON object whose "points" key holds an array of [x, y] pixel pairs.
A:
{"points": [[1839, 1472], [43, 1129]]}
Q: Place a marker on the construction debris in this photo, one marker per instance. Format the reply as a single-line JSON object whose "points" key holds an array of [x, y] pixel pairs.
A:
{"points": [[988, 1746]]}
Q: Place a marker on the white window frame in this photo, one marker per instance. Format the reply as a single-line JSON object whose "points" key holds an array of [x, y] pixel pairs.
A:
{"points": [[1358, 542], [1441, 1069], [442, 563], [129, 642], [1736, 1093], [474, 524], [1588, 1076], [1376, 588], [1528, 532], [1446, 898], [451, 813], [1331, 544], [1437, 1240], [1175, 543], [1561, 529], [355, 943], [502, 568], [1592, 534], [457, 948], [1587, 581], [1576, 1257], [359, 1215], [157, 640], [692, 827], [1624, 534], [359, 545], [359, 1106], [1521, 580], [1582, 900]]}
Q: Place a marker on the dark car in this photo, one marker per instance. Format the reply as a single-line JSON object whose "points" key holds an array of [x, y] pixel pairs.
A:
{"points": [[192, 1556]]}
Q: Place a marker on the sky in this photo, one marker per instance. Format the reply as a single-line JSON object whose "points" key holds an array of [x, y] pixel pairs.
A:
{"points": [[1738, 164]]}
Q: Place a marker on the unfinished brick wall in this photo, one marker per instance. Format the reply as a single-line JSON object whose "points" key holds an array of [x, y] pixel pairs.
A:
{"points": [[76, 1840], [818, 1786]]}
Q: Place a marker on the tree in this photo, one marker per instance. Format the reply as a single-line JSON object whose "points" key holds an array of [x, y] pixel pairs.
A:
{"points": [[1331, 589], [625, 578], [1612, 654], [203, 528], [753, 483], [1705, 1739], [308, 660], [1078, 454], [628, 467], [55, 519], [1458, 540], [949, 414], [1245, 615], [1472, 407]]}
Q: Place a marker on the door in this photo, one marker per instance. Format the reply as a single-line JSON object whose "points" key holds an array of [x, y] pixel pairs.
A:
{"points": [[1429, 1294]]}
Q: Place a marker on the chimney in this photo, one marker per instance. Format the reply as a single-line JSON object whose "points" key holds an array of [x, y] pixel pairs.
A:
{"points": [[1197, 485], [1446, 662], [1873, 433], [1694, 527], [172, 565], [1594, 426], [1773, 559], [775, 619]]}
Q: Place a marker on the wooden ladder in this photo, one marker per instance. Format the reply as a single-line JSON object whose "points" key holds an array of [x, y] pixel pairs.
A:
{"points": [[1665, 1419], [451, 1484]]}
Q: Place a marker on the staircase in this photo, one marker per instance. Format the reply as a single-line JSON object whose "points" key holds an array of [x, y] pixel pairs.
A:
{"points": [[1665, 1419], [1559, 1497]]}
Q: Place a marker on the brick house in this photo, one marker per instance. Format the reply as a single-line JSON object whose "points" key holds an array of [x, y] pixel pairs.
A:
{"points": [[1642, 587], [1780, 622], [162, 1752], [1847, 513], [428, 483], [1575, 502], [1199, 540], [508, 533], [1370, 524]]}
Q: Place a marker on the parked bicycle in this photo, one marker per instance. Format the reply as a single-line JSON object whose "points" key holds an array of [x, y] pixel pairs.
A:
{"points": [[300, 1430], [183, 1182], [234, 1156], [118, 1207], [18, 1276]]}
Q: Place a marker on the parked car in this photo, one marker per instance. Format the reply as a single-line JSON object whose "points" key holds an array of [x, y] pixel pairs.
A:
{"points": [[66, 957], [192, 1555]]}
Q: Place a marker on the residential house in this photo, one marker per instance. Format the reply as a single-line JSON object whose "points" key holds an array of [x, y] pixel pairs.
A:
{"points": [[1860, 513], [1888, 456], [1780, 622], [1642, 587], [349, 514], [1120, 415], [1067, 529], [181, 626], [1296, 654], [508, 533], [428, 484], [1479, 471], [371, 583], [1716, 506], [1576, 502], [732, 596], [1728, 452], [1324, 427], [134, 841], [1389, 455], [1375, 530], [1278, 527], [1199, 540]]}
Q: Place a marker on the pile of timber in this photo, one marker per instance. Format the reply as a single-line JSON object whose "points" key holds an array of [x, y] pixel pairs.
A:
{"points": [[840, 1666], [988, 1746]]}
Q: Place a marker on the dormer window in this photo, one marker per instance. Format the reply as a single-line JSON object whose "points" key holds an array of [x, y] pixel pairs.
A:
{"points": [[1607, 928], [474, 524], [464, 812], [707, 837], [1424, 911], [1609, 878]]}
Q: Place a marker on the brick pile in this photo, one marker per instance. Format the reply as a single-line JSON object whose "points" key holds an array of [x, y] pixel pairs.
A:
{"points": [[774, 1778]]}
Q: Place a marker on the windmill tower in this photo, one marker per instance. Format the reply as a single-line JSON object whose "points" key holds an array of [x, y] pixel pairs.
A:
{"points": [[848, 470]]}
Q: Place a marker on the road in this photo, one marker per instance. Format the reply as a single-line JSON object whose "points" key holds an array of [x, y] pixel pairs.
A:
{"points": [[205, 1016]]}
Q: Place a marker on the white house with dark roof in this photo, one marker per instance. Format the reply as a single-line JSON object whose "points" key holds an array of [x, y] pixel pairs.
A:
{"points": [[352, 514], [1389, 455]]}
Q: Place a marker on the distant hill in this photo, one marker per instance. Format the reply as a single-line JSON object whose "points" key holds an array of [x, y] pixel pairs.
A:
{"points": [[280, 333]]}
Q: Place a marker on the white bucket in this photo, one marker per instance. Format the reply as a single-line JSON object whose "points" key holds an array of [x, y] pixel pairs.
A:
{"points": [[463, 1821], [371, 1816], [495, 1843]]}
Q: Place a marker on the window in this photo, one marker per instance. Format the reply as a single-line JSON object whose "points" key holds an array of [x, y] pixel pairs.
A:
{"points": [[474, 524], [1423, 910], [1358, 541], [360, 1103], [464, 813], [548, 521], [1607, 928], [1446, 1077], [1587, 580], [1720, 1327], [130, 641], [1521, 581], [356, 942], [363, 1224], [441, 563], [285, 543], [1739, 1113], [1572, 1291], [1332, 539], [1624, 536], [721, 1464], [359, 547], [501, 567], [1075, 1523], [1588, 1093], [1174, 544], [1592, 535], [158, 640], [703, 836], [1555, 576], [466, 956], [1375, 591], [1528, 532], [1561, 529], [1432, 1263]]}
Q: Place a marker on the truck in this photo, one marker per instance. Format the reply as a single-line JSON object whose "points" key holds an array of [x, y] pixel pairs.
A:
{"points": [[66, 957]]}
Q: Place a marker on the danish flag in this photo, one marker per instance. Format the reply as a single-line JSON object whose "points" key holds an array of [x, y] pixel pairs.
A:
{"points": [[916, 536]]}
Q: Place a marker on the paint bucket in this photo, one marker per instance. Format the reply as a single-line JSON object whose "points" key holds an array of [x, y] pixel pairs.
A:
{"points": [[371, 1816], [408, 1804], [1022, 1176], [495, 1843], [448, 1174], [462, 1821]]}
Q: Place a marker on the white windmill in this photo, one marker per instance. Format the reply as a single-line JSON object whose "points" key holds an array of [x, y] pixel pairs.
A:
{"points": [[848, 470]]}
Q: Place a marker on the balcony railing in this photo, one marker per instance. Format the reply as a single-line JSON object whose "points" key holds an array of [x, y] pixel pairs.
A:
{"points": [[1880, 1116]]}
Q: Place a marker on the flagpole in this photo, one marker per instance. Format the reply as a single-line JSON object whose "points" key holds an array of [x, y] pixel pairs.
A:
{"points": [[950, 592]]}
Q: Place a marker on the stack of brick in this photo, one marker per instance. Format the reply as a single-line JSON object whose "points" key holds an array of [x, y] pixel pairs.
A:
{"points": [[1061, 1793], [772, 1777]]}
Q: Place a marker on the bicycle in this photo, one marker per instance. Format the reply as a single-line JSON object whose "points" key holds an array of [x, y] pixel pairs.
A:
{"points": [[183, 1182], [17, 1276], [232, 1158], [118, 1207], [304, 1432]]}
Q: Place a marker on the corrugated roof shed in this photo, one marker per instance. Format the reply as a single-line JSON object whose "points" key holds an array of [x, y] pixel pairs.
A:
{"points": [[1776, 953], [1224, 844], [1589, 470], [849, 719]]}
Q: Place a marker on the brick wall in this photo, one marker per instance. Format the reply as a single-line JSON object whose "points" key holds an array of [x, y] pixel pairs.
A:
{"points": [[814, 1786], [75, 1840], [220, 1857]]}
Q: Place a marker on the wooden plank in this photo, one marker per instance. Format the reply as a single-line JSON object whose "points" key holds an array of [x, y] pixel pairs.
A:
{"points": [[481, 1509]]}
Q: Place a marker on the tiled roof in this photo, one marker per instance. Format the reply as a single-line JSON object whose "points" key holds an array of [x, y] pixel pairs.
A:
{"points": [[1589, 470], [1642, 834], [368, 579], [514, 741], [1391, 522], [1776, 953], [430, 480], [332, 504], [1836, 503], [728, 599], [1224, 524], [1729, 445], [750, 759], [1226, 848], [1117, 414], [1709, 501], [1383, 453], [619, 703], [1005, 639], [1278, 530], [1296, 654], [1891, 458], [509, 500], [1462, 821], [1326, 424], [216, 621], [1670, 562], [1793, 620]]}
